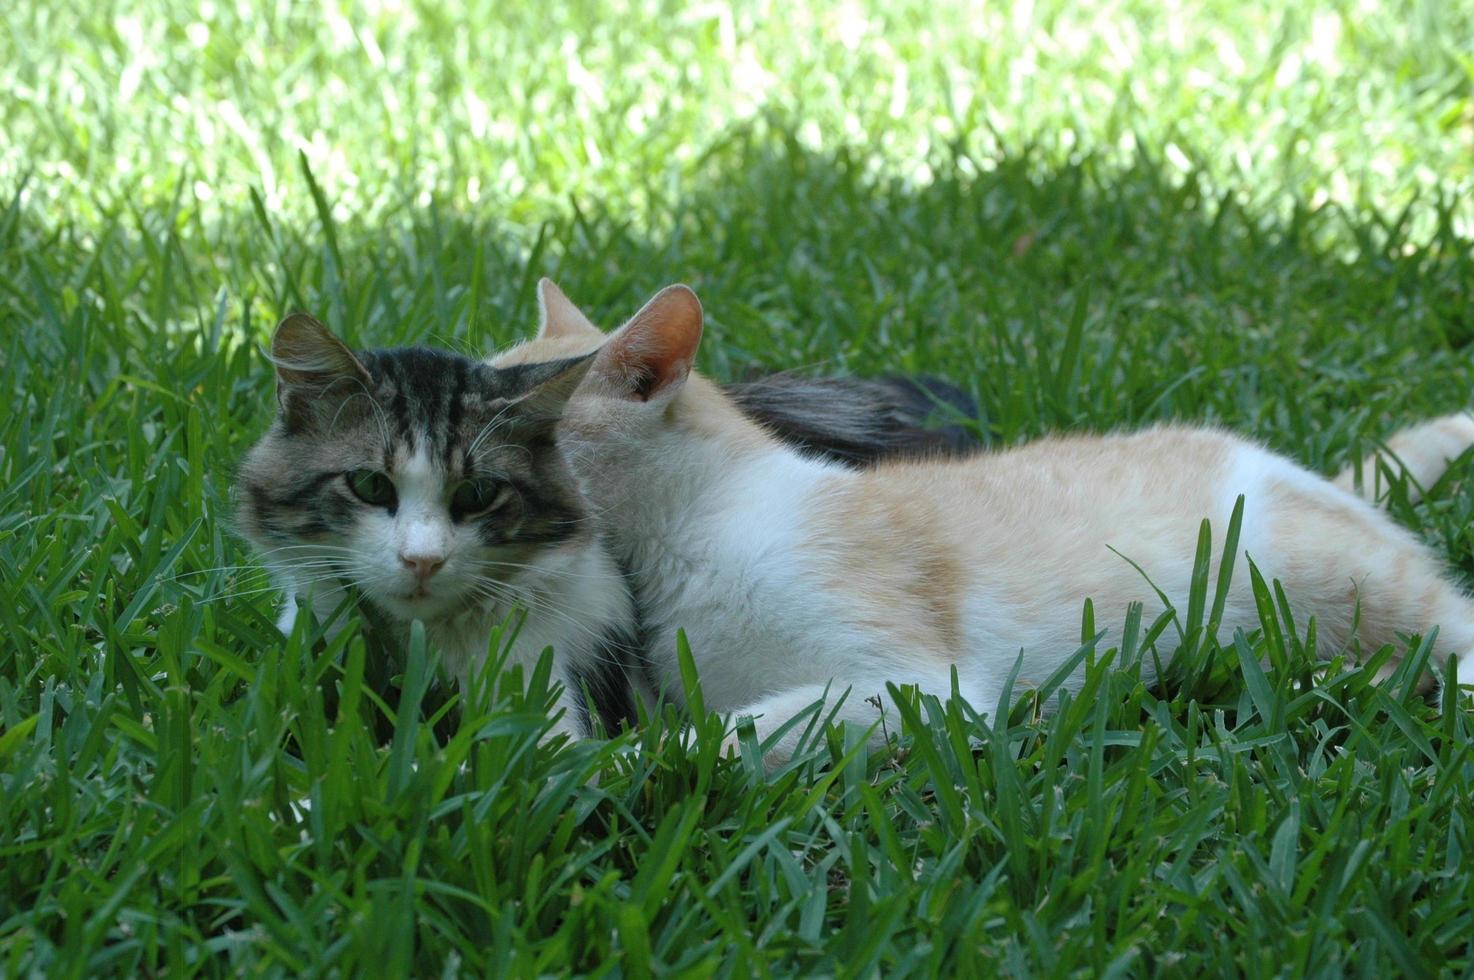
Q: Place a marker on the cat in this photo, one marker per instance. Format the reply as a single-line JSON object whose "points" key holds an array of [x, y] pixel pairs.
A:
{"points": [[799, 581], [359, 484], [431, 485]]}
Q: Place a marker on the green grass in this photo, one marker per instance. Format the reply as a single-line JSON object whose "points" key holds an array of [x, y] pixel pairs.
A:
{"points": [[1092, 215]]}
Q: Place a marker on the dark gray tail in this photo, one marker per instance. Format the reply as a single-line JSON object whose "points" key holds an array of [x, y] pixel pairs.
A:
{"points": [[862, 420]]}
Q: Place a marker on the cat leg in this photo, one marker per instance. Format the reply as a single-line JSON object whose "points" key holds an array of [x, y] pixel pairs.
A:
{"points": [[322, 600], [1410, 596], [1453, 613], [865, 705], [465, 659], [1407, 592], [1342, 560], [571, 716], [1455, 618]]}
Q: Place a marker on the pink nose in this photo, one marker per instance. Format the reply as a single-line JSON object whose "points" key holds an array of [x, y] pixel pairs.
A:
{"points": [[424, 565]]}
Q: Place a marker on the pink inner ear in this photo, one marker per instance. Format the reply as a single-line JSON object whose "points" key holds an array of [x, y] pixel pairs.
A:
{"points": [[655, 350]]}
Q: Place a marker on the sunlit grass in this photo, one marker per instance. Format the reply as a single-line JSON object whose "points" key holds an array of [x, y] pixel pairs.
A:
{"points": [[1090, 215], [521, 105]]}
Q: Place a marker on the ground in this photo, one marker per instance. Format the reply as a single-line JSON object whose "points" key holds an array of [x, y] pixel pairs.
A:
{"points": [[1091, 215]]}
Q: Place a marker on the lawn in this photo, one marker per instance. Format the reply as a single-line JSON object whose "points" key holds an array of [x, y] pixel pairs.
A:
{"points": [[1091, 215]]}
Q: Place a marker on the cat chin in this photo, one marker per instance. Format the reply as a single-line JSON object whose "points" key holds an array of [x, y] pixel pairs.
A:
{"points": [[427, 609]]}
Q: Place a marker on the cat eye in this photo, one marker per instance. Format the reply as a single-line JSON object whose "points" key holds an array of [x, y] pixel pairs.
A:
{"points": [[477, 496], [372, 487]]}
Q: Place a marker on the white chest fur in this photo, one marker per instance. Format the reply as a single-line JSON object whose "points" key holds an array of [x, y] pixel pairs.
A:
{"points": [[734, 569]]}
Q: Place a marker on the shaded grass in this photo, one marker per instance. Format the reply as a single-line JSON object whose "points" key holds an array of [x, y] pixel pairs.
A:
{"points": [[184, 790]]}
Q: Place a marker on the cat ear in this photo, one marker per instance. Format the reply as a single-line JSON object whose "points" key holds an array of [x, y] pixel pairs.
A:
{"points": [[651, 355], [307, 354], [558, 317], [553, 383], [309, 360]]}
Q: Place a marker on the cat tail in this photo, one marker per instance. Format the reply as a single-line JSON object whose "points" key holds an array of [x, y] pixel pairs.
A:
{"points": [[862, 420], [1422, 452]]}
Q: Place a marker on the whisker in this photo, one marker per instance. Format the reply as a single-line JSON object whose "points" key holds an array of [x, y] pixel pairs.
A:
{"points": [[373, 402], [500, 418], [307, 547], [555, 611], [497, 563], [238, 594], [251, 571]]}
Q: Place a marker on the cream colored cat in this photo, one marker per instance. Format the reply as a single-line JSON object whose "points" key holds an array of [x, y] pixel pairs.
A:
{"points": [[796, 579]]}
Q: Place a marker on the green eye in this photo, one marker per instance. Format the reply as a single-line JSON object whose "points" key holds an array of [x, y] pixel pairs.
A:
{"points": [[476, 496], [372, 487]]}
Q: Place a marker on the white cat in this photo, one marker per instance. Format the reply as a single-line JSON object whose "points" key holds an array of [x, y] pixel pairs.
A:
{"points": [[795, 578]]}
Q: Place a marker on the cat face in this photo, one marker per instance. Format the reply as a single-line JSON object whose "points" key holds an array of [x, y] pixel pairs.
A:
{"points": [[423, 479]]}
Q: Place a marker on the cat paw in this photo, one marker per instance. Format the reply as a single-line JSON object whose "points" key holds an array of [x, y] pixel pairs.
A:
{"points": [[1464, 671]]}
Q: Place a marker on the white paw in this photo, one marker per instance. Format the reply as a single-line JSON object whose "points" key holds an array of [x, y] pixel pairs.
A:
{"points": [[1464, 670]]}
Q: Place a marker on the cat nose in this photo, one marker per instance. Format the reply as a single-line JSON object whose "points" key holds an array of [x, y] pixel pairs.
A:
{"points": [[424, 565]]}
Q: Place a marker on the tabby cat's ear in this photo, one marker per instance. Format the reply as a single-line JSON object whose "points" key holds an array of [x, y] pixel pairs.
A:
{"points": [[651, 355], [553, 383], [309, 360], [558, 317], [307, 353]]}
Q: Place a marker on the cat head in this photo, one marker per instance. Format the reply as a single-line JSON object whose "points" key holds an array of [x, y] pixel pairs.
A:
{"points": [[424, 479], [636, 372], [641, 414]]}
